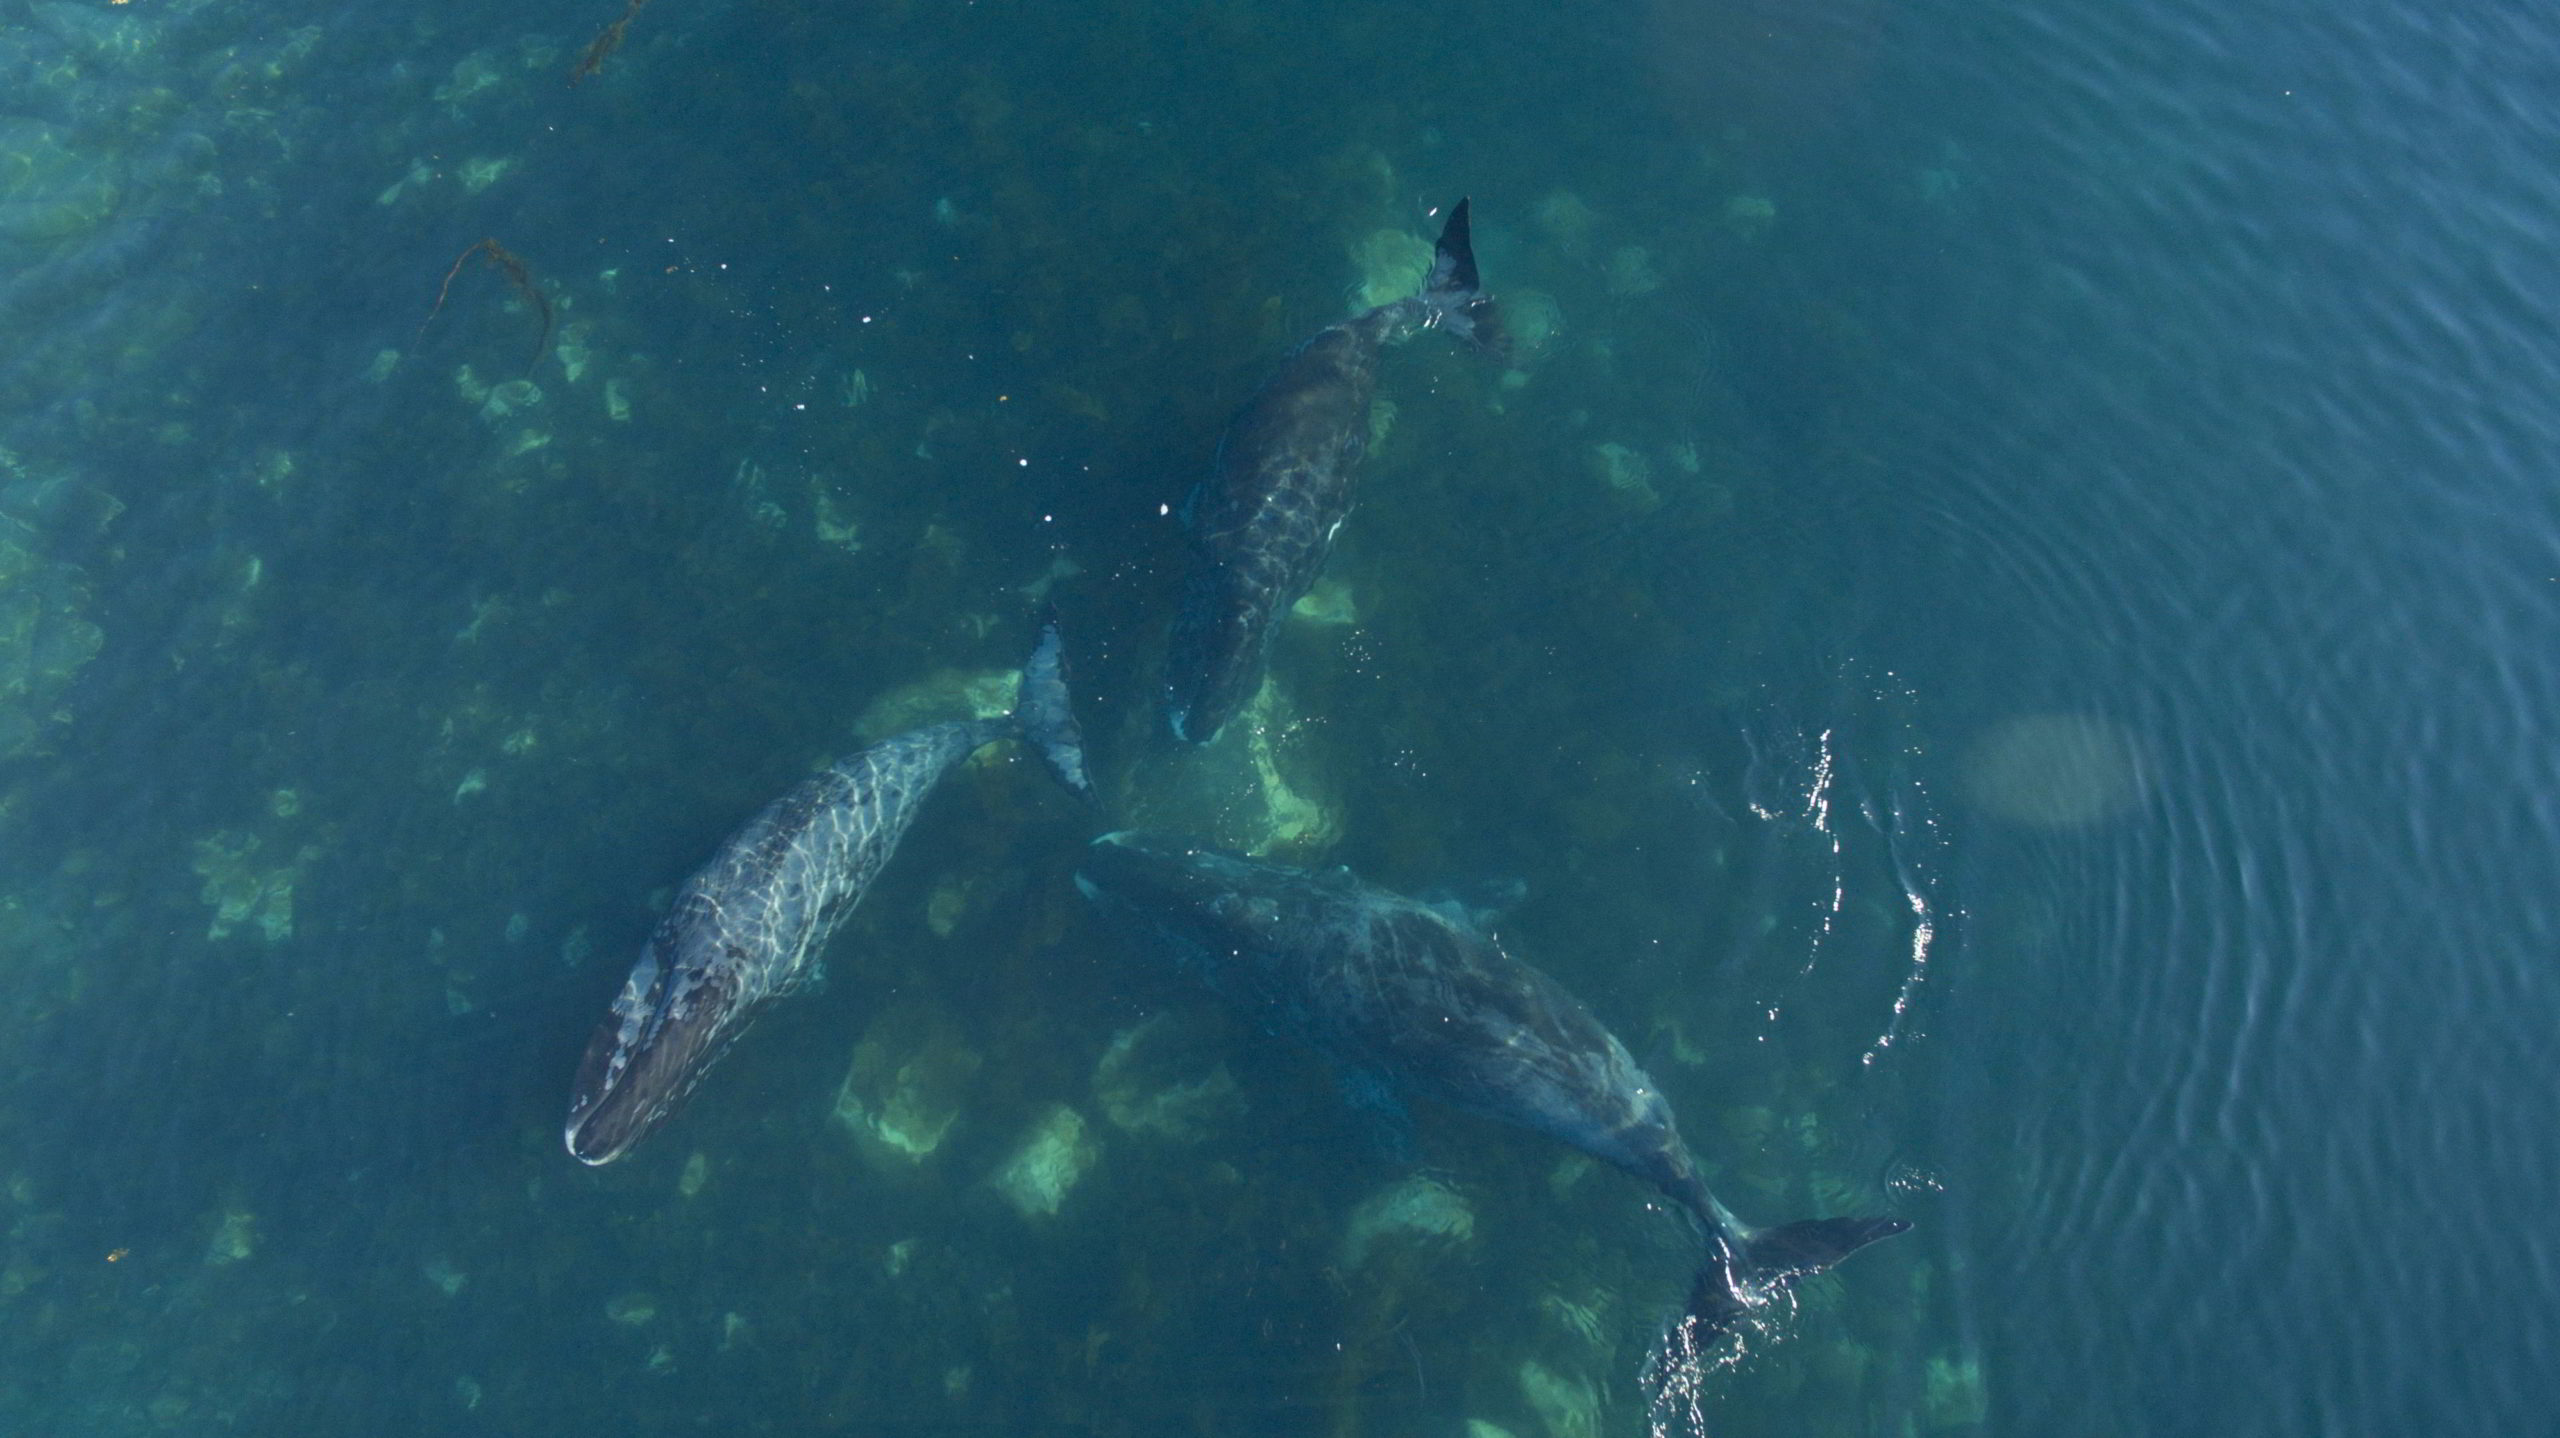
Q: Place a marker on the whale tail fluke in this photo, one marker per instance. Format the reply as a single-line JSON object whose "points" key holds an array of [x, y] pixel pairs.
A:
{"points": [[1790, 1251], [1048, 718], [1740, 1279], [1732, 1285], [1453, 297]]}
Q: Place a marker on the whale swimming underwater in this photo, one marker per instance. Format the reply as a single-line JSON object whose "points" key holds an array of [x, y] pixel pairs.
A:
{"points": [[1261, 523], [1416, 997], [752, 925]]}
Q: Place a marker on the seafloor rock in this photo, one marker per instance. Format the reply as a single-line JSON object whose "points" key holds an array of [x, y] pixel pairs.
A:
{"points": [[481, 171], [245, 885], [90, 33], [442, 1273], [943, 694], [1748, 1127], [1630, 272], [836, 524], [235, 1237], [508, 397], [1329, 602], [1585, 1317], [1750, 216], [1160, 1078], [45, 635], [1254, 790], [1054, 1157], [53, 190], [572, 352], [1413, 1209], [44, 643], [472, 74], [1955, 1396], [1532, 319], [1627, 473], [1390, 265], [908, 1082], [1566, 1403], [1565, 220], [951, 898], [1291, 818]]}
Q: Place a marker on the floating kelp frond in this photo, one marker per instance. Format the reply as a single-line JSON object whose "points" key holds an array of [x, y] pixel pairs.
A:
{"points": [[506, 262], [606, 42]]}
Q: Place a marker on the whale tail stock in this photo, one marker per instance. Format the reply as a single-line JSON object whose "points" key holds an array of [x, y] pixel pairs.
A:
{"points": [[1453, 298]]}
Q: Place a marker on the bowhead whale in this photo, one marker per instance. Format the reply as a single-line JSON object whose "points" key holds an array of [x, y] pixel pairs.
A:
{"points": [[1260, 524], [751, 926], [1417, 998]]}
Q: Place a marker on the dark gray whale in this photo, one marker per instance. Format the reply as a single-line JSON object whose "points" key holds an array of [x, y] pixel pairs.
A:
{"points": [[1260, 524], [752, 925], [1418, 997]]}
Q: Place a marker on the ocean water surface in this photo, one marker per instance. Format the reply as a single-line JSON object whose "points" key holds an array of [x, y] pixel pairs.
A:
{"points": [[1996, 624]]}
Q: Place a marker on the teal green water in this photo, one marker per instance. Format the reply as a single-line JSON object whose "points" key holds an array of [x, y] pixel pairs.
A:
{"points": [[2001, 614]]}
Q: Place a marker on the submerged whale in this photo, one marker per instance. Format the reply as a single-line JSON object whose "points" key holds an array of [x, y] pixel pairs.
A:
{"points": [[1416, 997], [752, 925], [1260, 524]]}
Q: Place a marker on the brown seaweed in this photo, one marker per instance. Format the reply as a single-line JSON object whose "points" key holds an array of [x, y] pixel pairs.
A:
{"points": [[606, 42], [506, 262]]}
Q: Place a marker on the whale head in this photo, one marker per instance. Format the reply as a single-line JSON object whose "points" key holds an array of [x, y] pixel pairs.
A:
{"points": [[680, 1009]]}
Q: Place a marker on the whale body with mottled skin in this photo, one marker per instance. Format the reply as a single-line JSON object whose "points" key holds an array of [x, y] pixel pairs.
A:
{"points": [[1416, 997], [751, 926], [1261, 523]]}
